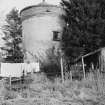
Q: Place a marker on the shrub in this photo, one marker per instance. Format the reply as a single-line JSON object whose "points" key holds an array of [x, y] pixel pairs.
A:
{"points": [[52, 67]]}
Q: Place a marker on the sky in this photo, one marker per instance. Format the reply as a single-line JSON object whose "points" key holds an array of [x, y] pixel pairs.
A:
{"points": [[7, 5]]}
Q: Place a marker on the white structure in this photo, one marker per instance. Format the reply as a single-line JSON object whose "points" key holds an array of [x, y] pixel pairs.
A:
{"points": [[42, 26], [10, 70], [16, 69]]}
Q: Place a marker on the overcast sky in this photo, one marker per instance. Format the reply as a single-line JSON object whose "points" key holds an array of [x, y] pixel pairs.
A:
{"points": [[7, 5]]}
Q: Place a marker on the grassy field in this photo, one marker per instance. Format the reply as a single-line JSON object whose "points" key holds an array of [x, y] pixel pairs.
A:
{"points": [[42, 91]]}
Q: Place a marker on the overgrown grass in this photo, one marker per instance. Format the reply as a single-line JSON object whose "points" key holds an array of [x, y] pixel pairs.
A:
{"points": [[43, 91]]}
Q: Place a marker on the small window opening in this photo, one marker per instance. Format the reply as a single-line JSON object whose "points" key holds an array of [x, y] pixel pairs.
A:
{"points": [[56, 36]]}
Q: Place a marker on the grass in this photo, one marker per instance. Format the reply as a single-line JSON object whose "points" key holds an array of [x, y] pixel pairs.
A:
{"points": [[42, 91]]}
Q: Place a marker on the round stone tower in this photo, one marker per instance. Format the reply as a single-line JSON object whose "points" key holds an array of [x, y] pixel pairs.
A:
{"points": [[42, 27]]}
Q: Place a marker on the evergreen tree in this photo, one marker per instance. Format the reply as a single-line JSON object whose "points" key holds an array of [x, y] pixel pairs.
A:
{"points": [[85, 26], [13, 37]]}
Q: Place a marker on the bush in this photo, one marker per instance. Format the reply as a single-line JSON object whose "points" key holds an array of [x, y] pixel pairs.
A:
{"points": [[51, 70], [52, 67]]}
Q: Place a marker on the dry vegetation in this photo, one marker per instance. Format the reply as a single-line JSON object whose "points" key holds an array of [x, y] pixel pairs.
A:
{"points": [[43, 91]]}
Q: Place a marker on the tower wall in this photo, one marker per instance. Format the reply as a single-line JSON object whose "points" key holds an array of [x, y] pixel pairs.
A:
{"points": [[38, 24]]}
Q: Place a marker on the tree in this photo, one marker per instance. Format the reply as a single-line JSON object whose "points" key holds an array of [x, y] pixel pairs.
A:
{"points": [[85, 26], [13, 37]]}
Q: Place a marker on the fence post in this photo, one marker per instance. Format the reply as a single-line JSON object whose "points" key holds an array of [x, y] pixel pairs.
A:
{"points": [[83, 65], [71, 75], [10, 81], [62, 73]]}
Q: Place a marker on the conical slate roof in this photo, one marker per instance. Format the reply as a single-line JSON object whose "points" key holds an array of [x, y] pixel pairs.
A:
{"points": [[42, 4]]}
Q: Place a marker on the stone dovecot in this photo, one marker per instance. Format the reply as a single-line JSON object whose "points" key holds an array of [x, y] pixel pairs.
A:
{"points": [[42, 26]]}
